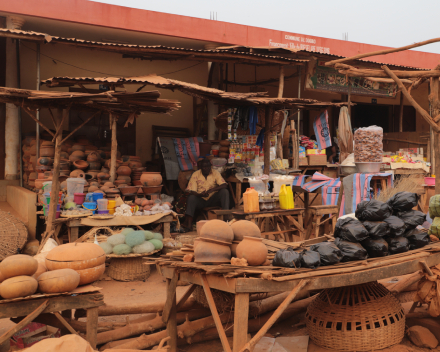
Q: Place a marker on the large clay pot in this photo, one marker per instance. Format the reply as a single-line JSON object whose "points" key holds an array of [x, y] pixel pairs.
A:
{"points": [[210, 251], [134, 164], [77, 155], [217, 230], [253, 250], [199, 226], [93, 156], [77, 173], [126, 179], [123, 171], [81, 164], [45, 161], [47, 151], [33, 149], [77, 147], [151, 179], [101, 154], [103, 176], [94, 165], [65, 166], [243, 228], [64, 155]]}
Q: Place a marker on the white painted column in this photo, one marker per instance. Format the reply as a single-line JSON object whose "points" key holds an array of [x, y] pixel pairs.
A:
{"points": [[12, 134], [212, 108]]}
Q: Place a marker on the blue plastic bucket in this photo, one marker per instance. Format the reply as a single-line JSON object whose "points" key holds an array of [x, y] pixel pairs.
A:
{"points": [[97, 196], [89, 197], [90, 206]]}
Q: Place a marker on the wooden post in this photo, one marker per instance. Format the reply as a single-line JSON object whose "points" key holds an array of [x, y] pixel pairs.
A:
{"points": [[281, 84], [114, 149], [267, 140], [435, 112], [172, 322], [92, 326], [56, 172], [401, 113], [241, 317], [349, 99]]}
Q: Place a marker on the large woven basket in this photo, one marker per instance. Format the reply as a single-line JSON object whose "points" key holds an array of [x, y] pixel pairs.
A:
{"points": [[13, 235], [356, 318], [128, 269]]}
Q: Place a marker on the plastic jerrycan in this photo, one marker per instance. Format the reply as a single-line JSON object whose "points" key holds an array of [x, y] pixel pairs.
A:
{"points": [[286, 197], [250, 201]]}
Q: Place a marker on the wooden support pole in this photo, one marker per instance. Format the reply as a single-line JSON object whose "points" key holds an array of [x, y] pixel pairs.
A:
{"points": [[56, 173], [185, 296], [241, 318], [349, 99], [114, 150], [92, 326], [76, 129], [416, 106], [172, 322], [435, 111], [281, 84], [65, 323], [401, 113], [267, 119], [38, 121], [171, 297]]}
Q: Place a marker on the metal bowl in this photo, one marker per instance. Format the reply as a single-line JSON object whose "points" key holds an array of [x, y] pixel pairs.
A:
{"points": [[348, 170], [368, 168]]}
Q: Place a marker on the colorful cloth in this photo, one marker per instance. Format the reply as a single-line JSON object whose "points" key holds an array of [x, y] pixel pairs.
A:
{"points": [[187, 151], [320, 180], [198, 183], [322, 131], [299, 180], [330, 195], [166, 147]]}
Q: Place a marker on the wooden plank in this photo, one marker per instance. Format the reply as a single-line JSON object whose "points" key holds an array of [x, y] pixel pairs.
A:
{"points": [[171, 296], [92, 326], [215, 316], [241, 317], [114, 147], [8, 334], [56, 304], [185, 296], [65, 323]]}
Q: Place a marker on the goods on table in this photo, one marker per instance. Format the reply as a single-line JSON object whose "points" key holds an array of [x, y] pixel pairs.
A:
{"points": [[148, 235], [351, 251], [368, 145], [350, 229], [122, 249], [107, 247], [434, 206], [412, 218], [377, 228], [156, 242], [211, 251], [287, 258], [253, 250], [329, 252], [145, 247], [18, 286], [41, 269], [250, 201], [310, 259], [286, 198], [58, 281], [217, 230], [397, 226], [243, 228], [372, 210], [417, 239], [398, 244], [376, 247], [403, 201], [135, 238], [18, 265]]}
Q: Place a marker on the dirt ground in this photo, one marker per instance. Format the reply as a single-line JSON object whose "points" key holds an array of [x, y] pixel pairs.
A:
{"points": [[153, 290]]}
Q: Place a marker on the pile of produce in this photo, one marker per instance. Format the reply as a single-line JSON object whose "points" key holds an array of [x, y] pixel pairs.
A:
{"points": [[132, 241], [379, 229]]}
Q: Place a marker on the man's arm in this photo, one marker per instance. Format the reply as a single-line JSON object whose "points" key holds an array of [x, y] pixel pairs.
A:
{"points": [[218, 188]]}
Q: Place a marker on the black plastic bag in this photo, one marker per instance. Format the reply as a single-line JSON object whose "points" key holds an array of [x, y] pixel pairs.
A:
{"points": [[375, 247], [397, 226], [351, 251], [329, 252], [412, 218], [377, 228], [398, 244], [287, 258], [403, 201], [417, 239], [373, 210], [351, 230], [310, 259]]}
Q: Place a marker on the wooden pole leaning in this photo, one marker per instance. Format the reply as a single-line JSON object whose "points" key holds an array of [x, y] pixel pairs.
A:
{"points": [[114, 150], [267, 119], [435, 111]]}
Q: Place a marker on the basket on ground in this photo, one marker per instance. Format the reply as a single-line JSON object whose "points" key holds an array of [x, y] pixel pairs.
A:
{"points": [[13, 235], [128, 269], [356, 318]]}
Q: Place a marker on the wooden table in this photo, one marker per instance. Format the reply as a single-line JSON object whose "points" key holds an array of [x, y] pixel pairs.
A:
{"points": [[31, 307], [278, 222], [248, 282]]}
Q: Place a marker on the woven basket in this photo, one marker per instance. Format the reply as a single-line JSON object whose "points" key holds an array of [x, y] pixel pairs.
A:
{"points": [[128, 269], [356, 318], [13, 235]]}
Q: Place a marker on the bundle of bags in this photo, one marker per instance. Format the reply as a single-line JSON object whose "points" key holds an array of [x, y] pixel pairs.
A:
{"points": [[434, 214], [378, 230], [132, 241]]}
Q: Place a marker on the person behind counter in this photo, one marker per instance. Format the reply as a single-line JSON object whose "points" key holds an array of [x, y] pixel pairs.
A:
{"points": [[206, 188]]}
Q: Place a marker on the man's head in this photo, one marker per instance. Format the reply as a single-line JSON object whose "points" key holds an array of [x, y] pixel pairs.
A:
{"points": [[206, 167]]}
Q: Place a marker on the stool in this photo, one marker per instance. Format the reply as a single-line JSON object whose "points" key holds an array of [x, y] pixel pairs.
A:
{"points": [[316, 212]]}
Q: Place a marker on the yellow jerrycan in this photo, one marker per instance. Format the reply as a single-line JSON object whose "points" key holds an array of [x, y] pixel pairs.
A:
{"points": [[286, 197], [250, 201]]}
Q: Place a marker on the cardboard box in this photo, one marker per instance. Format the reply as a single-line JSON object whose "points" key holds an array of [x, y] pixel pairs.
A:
{"points": [[33, 333], [330, 173], [302, 152], [317, 159], [315, 152], [303, 161]]}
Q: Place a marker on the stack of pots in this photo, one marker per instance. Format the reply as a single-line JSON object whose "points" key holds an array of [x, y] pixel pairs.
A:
{"points": [[151, 183]]}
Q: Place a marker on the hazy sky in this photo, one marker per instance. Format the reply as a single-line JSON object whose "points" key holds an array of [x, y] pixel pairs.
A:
{"points": [[382, 22]]}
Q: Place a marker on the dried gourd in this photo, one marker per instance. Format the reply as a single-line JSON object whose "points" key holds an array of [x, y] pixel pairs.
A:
{"points": [[41, 269], [58, 281], [87, 276], [18, 286], [76, 256], [135, 238], [18, 265]]}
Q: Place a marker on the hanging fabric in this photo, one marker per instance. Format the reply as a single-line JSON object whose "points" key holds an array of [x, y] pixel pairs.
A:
{"points": [[345, 134], [322, 131]]}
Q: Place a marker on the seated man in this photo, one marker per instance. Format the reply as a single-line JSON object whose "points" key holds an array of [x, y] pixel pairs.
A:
{"points": [[206, 188]]}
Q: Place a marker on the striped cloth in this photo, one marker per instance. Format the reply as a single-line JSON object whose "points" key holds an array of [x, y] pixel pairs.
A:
{"points": [[320, 180], [187, 151], [299, 180]]}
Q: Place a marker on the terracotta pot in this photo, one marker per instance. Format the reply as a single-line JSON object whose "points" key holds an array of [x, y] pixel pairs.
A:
{"points": [[94, 183], [77, 173], [151, 179], [124, 171], [65, 147], [128, 190], [109, 185], [151, 190], [26, 150], [120, 182], [105, 169], [243, 228], [217, 230], [253, 250], [101, 153], [199, 226], [93, 188], [93, 174], [45, 161], [77, 155], [134, 164], [93, 156], [103, 176], [77, 147], [28, 139], [126, 179], [212, 252], [81, 164], [39, 183], [33, 150], [234, 248], [64, 166], [95, 165]]}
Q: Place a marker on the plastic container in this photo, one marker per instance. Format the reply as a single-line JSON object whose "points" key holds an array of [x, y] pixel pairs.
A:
{"points": [[286, 198], [250, 201], [75, 185], [281, 180], [368, 168], [78, 198], [89, 197], [97, 196], [102, 204], [258, 185], [103, 212], [47, 186], [111, 206], [90, 206], [430, 181]]}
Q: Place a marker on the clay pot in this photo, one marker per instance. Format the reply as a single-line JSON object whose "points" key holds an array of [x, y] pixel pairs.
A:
{"points": [[151, 179], [94, 173], [93, 156], [93, 188], [33, 150], [120, 182], [65, 148], [152, 190], [77, 173], [137, 183], [217, 230], [45, 161], [134, 164], [105, 169], [124, 171], [128, 190], [101, 154], [234, 248], [28, 139], [126, 179], [77, 155], [26, 150], [94, 183], [81, 164], [103, 176], [243, 228], [65, 166], [94, 165], [199, 226], [253, 250], [210, 251], [77, 147], [109, 185], [64, 155]]}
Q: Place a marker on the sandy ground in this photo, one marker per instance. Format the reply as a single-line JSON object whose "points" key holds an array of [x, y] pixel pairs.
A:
{"points": [[153, 290]]}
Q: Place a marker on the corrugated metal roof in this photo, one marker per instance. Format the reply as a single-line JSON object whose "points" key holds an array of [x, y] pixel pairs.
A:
{"points": [[17, 33]]}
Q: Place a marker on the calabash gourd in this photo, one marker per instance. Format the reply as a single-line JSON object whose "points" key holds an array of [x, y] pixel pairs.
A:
{"points": [[243, 228], [18, 286], [18, 265], [90, 275], [41, 269], [58, 281], [217, 230], [2, 278]]}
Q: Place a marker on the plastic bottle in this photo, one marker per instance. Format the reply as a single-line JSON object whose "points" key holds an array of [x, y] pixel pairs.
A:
{"points": [[286, 197], [250, 201]]}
